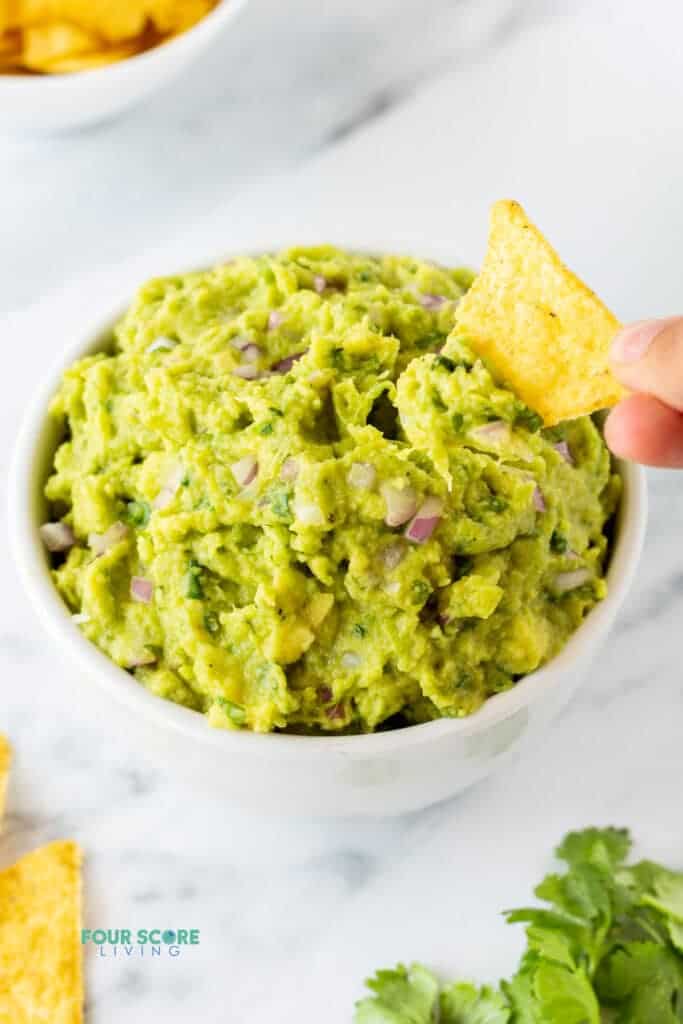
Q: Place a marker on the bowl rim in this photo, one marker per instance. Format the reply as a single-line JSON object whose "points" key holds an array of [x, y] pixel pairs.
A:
{"points": [[208, 25], [121, 686]]}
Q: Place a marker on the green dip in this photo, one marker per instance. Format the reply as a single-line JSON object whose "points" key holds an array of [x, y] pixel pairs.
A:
{"points": [[291, 497]]}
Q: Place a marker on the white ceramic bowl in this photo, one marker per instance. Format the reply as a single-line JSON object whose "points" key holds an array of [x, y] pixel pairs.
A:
{"points": [[382, 774], [44, 104]]}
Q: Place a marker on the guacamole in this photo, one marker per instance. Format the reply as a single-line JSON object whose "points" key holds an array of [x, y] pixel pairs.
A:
{"points": [[291, 497]]}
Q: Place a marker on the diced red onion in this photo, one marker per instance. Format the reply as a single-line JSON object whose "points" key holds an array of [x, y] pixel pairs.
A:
{"points": [[426, 521], [168, 491], [362, 475], [162, 343], [308, 513], [141, 589], [538, 500], [565, 451], [251, 353], [101, 542], [286, 364], [335, 712], [431, 301], [393, 556], [241, 342], [164, 498], [80, 618], [351, 660], [247, 371], [145, 658], [319, 283], [325, 694], [401, 504], [289, 470], [275, 319], [565, 581], [57, 536], [244, 470], [496, 432]]}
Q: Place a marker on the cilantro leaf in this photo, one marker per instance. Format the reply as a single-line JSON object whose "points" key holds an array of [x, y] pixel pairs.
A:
{"points": [[676, 935], [586, 901], [565, 996], [605, 948], [463, 1003], [278, 497], [235, 712], [643, 983], [667, 896], [405, 995], [551, 945], [543, 992], [137, 513], [605, 847], [664, 899], [193, 581], [528, 419]]}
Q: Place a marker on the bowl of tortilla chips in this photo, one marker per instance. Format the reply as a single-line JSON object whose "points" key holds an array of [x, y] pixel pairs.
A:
{"points": [[68, 63]]}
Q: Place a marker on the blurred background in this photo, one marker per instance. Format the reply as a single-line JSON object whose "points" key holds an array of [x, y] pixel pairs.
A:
{"points": [[284, 81], [398, 121]]}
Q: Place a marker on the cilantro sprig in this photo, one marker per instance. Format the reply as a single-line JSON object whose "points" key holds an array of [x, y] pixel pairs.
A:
{"points": [[606, 947]]}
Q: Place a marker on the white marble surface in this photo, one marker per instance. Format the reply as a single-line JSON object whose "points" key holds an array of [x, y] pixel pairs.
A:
{"points": [[572, 108]]}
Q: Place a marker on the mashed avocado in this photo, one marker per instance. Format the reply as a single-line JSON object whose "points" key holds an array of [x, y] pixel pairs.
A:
{"points": [[291, 497]]}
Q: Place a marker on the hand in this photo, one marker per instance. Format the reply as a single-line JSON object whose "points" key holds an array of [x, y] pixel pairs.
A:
{"points": [[647, 426]]}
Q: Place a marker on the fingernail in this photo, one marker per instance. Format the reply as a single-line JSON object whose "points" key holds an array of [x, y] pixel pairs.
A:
{"points": [[633, 341]]}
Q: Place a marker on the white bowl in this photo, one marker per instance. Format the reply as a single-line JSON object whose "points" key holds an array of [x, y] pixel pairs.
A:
{"points": [[43, 104], [380, 774]]}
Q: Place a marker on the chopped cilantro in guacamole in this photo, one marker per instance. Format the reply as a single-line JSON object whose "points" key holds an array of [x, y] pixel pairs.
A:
{"points": [[319, 488]]}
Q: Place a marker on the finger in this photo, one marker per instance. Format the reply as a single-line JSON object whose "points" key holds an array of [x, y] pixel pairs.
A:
{"points": [[648, 358], [643, 429]]}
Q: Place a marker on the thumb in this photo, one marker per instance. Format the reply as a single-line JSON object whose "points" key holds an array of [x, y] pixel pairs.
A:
{"points": [[647, 357]]}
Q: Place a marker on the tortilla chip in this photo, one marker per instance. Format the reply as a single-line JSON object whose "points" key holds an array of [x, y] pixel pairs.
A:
{"points": [[172, 17], [61, 36], [539, 326], [5, 761], [114, 19], [22, 13], [10, 66], [44, 44], [10, 45], [9, 14], [41, 969], [91, 60]]}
